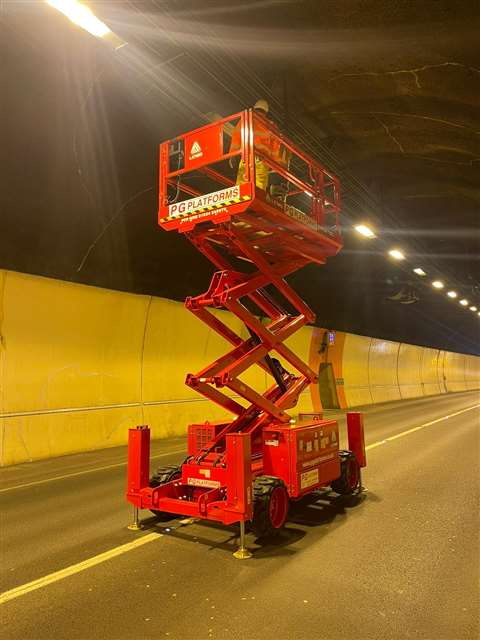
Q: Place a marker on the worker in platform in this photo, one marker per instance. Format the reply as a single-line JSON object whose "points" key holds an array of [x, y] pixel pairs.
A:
{"points": [[265, 141]]}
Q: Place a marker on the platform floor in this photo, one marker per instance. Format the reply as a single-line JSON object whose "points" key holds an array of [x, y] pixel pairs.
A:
{"points": [[403, 563]]}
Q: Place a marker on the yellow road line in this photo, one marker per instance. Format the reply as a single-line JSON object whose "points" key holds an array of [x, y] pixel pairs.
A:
{"points": [[81, 473], [23, 589], [422, 426]]}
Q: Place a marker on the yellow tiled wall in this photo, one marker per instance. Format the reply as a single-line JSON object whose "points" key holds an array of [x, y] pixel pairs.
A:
{"points": [[79, 365]]}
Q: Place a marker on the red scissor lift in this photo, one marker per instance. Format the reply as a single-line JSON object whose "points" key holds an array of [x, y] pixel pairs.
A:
{"points": [[249, 468]]}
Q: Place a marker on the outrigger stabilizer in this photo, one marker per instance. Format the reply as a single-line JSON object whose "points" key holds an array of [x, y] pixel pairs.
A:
{"points": [[249, 468]]}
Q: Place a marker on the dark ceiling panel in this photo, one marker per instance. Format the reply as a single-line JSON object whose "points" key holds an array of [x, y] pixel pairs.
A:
{"points": [[385, 93]]}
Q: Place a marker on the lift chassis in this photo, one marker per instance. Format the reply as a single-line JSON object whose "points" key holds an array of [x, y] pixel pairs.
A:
{"points": [[247, 469]]}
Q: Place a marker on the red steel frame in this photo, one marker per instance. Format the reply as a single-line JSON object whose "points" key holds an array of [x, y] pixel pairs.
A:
{"points": [[275, 240]]}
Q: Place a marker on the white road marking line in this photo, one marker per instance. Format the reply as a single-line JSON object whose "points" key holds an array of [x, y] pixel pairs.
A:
{"points": [[162, 455], [427, 424], [23, 589], [422, 426], [375, 444], [16, 592], [404, 433], [85, 471]]}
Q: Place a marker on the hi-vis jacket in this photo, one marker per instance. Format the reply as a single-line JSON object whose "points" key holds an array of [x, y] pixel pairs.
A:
{"points": [[265, 140]]}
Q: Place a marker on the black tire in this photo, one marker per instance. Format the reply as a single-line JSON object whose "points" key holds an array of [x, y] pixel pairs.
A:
{"points": [[349, 481], [269, 517], [161, 476]]}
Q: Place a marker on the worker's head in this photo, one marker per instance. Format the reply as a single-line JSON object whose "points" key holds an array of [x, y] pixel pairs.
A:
{"points": [[261, 106]]}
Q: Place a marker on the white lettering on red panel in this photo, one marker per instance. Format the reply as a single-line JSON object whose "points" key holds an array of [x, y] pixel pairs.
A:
{"points": [[314, 461]]}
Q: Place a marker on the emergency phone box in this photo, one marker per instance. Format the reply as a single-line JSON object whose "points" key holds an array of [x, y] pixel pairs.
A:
{"points": [[304, 455]]}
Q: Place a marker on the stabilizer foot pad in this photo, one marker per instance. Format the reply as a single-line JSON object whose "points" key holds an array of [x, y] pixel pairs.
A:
{"points": [[242, 554]]}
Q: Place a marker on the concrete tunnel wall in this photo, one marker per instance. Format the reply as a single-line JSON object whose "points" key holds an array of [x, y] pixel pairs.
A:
{"points": [[79, 365]]}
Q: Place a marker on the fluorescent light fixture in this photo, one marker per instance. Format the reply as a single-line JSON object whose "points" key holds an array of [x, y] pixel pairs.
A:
{"points": [[464, 302], [81, 15], [419, 271], [437, 284], [452, 294], [363, 230], [473, 308], [397, 254]]}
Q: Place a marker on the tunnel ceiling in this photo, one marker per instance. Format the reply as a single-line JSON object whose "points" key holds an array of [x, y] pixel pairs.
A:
{"points": [[384, 93]]}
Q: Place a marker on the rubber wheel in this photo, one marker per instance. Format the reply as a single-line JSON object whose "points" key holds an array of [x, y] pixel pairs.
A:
{"points": [[270, 506], [349, 480], [161, 476]]}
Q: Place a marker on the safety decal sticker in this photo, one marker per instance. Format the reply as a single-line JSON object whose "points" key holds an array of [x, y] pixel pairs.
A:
{"points": [[272, 443], [195, 151], [308, 478]]}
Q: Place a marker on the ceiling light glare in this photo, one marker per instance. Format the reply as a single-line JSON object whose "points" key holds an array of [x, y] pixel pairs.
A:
{"points": [[396, 254], [80, 15], [473, 308], [452, 294], [464, 302], [364, 230], [438, 284], [419, 271]]}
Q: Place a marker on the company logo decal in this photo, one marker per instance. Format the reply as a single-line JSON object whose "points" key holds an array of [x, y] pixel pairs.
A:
{"points": [[201, 482], [208, 202]]}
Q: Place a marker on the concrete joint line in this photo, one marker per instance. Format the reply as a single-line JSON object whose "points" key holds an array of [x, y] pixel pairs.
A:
{"points": [[124, 405]]}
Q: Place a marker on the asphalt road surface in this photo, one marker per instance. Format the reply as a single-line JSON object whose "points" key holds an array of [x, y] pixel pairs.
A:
{"points": [[403, 562]]}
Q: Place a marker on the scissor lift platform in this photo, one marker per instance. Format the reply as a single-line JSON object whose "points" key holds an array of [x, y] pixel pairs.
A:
{"points": [[248, 468], [304, 221]]}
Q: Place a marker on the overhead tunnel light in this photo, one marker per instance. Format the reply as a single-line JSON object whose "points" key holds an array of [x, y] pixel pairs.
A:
{"points": [[473, 308], [81, 15], [396, 254], [438, 284], [419, 271], [452, 294], [364, 230], [464, 302]]}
